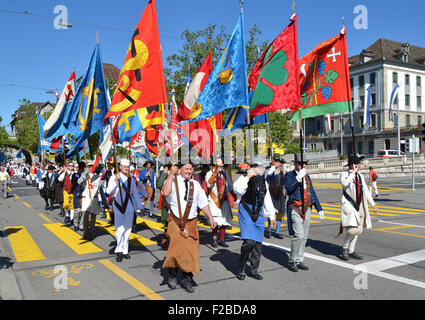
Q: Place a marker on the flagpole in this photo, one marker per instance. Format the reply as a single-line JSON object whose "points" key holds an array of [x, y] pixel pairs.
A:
{"points": [[85, 159], [115, 156], [398, 129]]}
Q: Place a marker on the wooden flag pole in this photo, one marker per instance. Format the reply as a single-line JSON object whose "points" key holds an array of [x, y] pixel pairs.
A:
{"points": [[115, 158], [85, 159]]}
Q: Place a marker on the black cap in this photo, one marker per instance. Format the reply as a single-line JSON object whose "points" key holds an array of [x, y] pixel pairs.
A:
{"points": [[297, 159]]}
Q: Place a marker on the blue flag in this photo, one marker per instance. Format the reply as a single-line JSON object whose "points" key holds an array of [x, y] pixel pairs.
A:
{"points": [[89, 107], [43, 144], [19, 155], [392, 100], [227, 86]]}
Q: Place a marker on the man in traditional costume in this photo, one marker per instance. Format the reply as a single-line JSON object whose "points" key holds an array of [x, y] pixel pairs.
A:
{"points": [[254, 206], [302, 197], [355, 202], [126, 202], [219, 186], [184, 195]]}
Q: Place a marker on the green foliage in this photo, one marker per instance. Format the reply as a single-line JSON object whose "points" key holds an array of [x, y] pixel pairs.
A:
{"points": [[4, 136], [27, 133]]}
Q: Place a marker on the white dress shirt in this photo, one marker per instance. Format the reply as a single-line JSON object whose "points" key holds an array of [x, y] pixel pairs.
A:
{"points": [[199, 198]]}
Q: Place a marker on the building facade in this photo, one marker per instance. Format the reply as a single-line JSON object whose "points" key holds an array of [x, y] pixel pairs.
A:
{"points": [[383, 65]]}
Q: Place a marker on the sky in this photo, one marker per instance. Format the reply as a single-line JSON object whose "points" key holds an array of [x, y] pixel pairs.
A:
{"points": [[36, 56]]}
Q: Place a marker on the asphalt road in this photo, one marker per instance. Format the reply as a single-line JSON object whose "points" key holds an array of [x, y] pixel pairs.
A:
{"points": [[34, 243]]}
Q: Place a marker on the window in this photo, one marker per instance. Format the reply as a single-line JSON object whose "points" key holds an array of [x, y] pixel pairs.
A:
{"points": [[371, 147], [418, 102], [419, 120], [373, 102], [361, 101], [330, 146], [395, 77], [372, 78], [373, 120], [407, 100], [405, 58], [418, 82], [396, 101], [407, 120], [332, 125], [407, 79], [387, 144], [360, 147], [395, 119], [318, 127], [361, 81], [361, 121]]}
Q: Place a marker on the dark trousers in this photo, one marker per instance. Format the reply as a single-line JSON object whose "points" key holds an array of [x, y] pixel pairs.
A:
{"points": [[186, 276], [250, 251]]}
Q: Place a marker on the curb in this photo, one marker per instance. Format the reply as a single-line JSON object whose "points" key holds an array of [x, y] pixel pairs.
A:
{"points": [[9, 289]]}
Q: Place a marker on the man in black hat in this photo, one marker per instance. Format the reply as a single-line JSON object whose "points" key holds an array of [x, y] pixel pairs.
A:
{"points": [[48, 190], [302, 197], [355, 203], [275, 178]]}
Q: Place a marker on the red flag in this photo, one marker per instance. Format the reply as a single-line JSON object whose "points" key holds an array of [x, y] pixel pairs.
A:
{"points": [[141, 82], [56, 143], [151, 138], [275, 76], [324, 79], [200, 134]]}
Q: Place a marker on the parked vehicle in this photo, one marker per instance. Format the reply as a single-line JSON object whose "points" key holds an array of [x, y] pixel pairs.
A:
{"points": [[389, 153]]}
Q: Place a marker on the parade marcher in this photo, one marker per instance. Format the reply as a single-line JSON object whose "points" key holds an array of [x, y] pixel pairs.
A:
{"points": [[68, 189], [90, 182], [355, 203], [77, 220], [134, 176], [275, 178], [302, 197], [126, 202], [373, 176], [163, 204], [33, 174], [183, 250], [254, 206], [4, 181], [147, 178], [107, 174], [219, 186], [48, 190], [59, 189]]}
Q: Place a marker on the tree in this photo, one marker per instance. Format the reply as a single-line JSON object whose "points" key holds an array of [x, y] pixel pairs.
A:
{"points": [[27, 133], [4, 136]]}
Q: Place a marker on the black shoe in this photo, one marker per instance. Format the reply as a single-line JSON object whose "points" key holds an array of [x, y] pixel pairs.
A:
{"points": [[355, 256], [278, 236], [119, 257], [188, 287], [172, 282], [76, 228], [223, 244], [214, 243], [255, 276], [344, 255], [46, 208], [66, 220], [241, 276], [301, 266], [267, 234], [293, 267], [126, 256]]}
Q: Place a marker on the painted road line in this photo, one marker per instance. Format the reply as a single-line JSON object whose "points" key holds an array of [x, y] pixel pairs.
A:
{"points": [[394, 262], [136, 284], [391, 230], [383, 209], [150, 224], [23, 245], [354, 268], [26, 204], [72, 239], [135, 239], [402, 224], [42, 216], [326, 217], [16, 196]]}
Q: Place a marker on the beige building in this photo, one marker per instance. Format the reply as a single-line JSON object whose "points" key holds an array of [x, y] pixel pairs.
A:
{"points": [[383, 65]]}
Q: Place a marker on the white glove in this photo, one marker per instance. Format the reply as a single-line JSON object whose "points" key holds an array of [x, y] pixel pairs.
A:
{"points": [[301, 174], [321, 215]]}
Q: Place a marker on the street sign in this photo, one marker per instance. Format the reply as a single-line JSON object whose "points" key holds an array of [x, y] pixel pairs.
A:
{"points": [[414, 145]]}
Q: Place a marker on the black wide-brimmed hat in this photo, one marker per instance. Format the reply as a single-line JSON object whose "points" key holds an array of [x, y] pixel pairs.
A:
{"points": [[354, 159], [277, 158], [297, 159]]}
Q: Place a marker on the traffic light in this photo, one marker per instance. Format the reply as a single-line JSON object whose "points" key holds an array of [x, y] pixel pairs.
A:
{"points": [[423, 132]]}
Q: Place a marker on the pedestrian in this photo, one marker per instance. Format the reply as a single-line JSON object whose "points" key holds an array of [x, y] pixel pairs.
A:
{"points": [[48, 190], [77, 192], [147, 178], [219, 185], [4, 181], [185, 196], [90, 183], [68, 189], [126, 202], [163, 204], [254, 206], [276, 178], [355, 202], [59, 189], [373, 176], [302, 198]]}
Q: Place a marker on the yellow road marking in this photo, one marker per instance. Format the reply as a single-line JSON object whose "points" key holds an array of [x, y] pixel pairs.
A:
{"points": [[135, 239], [136, 284], [390, 230], [16, 196], [72, 239], [42, 216], [23, 245], [26, 204]]}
